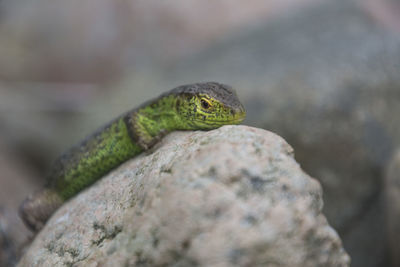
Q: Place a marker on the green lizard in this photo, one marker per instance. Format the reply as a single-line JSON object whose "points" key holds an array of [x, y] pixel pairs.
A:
{"points": [[200, 106]]}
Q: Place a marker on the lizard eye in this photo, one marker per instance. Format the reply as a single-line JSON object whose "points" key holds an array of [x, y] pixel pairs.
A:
{"points": [[205, 104]]}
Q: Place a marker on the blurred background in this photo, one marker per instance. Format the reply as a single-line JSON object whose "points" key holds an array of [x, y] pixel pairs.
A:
{"points": [[325, 75]]}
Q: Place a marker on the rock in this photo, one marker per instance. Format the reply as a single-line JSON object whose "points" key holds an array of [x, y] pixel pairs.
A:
{"points": [[233, 196], [76, 44], [392, 197]]}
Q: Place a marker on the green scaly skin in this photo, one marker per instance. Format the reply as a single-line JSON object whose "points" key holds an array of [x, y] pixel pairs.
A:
{"points": [[201, 106]]}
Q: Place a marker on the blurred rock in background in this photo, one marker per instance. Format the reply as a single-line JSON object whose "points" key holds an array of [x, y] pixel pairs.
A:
{"points": [[95, 40], [392, 198], [14, 186], [324, 75]]}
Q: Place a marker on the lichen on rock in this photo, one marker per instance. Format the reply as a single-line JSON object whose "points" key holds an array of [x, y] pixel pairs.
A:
{"points": [[234, 196]]}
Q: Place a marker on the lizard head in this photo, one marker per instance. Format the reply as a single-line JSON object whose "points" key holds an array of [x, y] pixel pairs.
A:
{"points": [[208, 105]]}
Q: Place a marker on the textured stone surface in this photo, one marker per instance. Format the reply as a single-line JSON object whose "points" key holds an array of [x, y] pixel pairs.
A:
{"points": [[228, 197], [392, 198]]}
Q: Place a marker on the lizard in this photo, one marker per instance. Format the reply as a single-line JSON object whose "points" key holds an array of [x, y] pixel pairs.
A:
{"points": [[199, 106]]}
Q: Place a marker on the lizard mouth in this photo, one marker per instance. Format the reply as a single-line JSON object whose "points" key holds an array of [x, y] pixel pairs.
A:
{"points": [[238, 120], [239, 117]]}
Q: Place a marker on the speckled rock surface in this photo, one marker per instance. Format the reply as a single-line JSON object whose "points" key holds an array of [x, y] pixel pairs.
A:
{"points": [[392, 200], [234, 196]]}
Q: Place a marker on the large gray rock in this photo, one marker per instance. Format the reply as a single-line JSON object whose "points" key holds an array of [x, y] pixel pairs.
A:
{"points": [[392, 198], [234, 196]]}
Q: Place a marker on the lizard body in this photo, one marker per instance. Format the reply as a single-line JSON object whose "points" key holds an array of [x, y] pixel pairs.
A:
{"points": [[201, 106]]}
